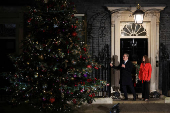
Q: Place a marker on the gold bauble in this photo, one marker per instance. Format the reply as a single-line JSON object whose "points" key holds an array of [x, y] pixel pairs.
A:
{"points": [[41, 57], [72, 78]]}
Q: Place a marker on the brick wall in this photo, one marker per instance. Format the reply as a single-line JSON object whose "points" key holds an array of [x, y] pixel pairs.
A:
{"points": [[98, 37], [96, 18]]}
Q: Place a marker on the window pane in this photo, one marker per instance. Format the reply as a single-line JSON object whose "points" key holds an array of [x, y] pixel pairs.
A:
{"points": [[7, 30], [132, 29]]}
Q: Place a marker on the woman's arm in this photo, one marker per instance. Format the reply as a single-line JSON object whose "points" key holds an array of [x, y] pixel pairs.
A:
{"points": [[150, 72]]}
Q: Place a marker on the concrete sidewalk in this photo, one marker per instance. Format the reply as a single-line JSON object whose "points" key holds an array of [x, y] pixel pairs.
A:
{"points": [[138, 106], [152, 106], [126, 108]]}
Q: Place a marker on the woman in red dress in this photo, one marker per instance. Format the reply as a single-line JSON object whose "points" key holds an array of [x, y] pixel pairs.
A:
{"points": [[145, 75]]}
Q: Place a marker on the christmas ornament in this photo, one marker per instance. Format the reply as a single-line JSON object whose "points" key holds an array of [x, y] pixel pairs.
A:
{"points": [[74, 101], [96, 67], [52, 100], [74, 34], [89, 66], [84, 49], [41, 57], [72, 78], [36, 74], [29, 20], [72, 15], [80, 56], [85, 75]]}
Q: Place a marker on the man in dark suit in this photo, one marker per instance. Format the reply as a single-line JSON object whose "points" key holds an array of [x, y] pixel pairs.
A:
{"points": [[125, 68]]}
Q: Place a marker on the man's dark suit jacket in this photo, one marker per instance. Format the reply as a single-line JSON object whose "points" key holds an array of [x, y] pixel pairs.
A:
{"points": [[125, 73]]}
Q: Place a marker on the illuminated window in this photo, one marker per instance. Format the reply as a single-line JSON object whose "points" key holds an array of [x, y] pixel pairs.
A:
{"points": [[133, 30]]}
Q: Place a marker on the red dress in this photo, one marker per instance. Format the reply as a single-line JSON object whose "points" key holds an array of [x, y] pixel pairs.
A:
{"points": [[145, 72]]}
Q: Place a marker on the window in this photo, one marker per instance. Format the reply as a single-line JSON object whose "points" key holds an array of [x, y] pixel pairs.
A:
{"points": [[7, 30], [81, 28], [7, 46], [133, 29], [7, 38]]}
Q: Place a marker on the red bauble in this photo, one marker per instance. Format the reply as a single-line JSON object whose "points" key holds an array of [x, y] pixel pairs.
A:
{"points": [[29, 20], [96, 67], [74, 101], [80, 56], [72, 26], [89, 66], [84, 49], [74, 34], [75, 27], [52, 100]]}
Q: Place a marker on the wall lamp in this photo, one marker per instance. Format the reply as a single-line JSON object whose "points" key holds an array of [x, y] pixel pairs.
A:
{"points": [[138, 15]]}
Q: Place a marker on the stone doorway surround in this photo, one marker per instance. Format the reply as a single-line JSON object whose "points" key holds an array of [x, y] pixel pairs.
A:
{"points": [[122, 13]]}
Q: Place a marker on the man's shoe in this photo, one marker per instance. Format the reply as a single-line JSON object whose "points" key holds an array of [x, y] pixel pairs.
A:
{"points": [[134, 99], [125, 99]]}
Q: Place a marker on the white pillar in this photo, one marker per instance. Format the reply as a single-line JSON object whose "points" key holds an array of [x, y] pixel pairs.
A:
{"points": [[153, 81], [117, 49], [157, 56], [112, 54]]}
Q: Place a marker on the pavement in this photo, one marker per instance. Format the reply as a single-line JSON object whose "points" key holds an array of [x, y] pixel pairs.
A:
{"points": [[154, 105]]}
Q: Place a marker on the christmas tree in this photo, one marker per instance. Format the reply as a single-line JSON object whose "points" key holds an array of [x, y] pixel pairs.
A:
{"points": [[53, 72]]}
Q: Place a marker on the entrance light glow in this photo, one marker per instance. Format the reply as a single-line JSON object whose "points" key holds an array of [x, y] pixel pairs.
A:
{"points": [[138, 15]]}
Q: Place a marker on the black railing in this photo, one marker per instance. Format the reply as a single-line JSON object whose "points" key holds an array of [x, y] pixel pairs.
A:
{"points": [[165, 71], [103, 73]]}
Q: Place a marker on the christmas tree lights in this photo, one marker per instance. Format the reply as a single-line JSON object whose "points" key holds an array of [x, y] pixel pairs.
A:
{"points": [[53, 72]]}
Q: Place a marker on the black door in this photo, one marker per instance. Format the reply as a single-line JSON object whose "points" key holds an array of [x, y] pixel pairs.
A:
{"points": [[136, 48]]}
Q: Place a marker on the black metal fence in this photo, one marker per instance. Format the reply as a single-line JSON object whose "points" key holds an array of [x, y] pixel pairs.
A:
{"points": [[103, 73], [165, 72]]}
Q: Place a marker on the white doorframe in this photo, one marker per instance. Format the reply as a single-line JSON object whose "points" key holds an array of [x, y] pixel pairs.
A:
{"points": [[152, 19]]}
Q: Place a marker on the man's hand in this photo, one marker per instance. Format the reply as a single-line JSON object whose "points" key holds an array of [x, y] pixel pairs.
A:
{"points": [[123, 65], [111, 64]]}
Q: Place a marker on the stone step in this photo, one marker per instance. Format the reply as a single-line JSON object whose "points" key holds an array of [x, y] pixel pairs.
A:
{"points": [[112, 100], [167, 99], [103, 101]]}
